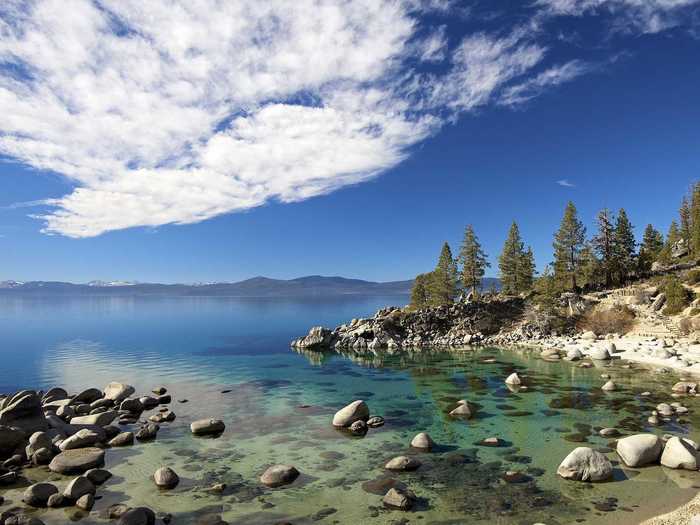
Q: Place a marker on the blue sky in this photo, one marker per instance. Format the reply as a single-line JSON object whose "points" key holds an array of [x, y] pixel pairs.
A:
{"points": [[229, 159]]}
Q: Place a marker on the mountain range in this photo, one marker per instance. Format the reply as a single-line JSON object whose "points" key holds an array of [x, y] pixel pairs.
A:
{"points": [[313, 285]]}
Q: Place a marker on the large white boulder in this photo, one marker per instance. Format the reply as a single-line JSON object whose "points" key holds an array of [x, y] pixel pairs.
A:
{"points": [[355, 411], [639, 450], [680, 453], [585, 464]]}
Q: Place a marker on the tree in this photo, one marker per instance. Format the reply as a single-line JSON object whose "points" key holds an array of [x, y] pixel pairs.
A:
{"points": [[568, 242], [590, 270], [624, 247], [473, 260], [443, 281], [604, 244], [671, 239], [685, 214], [420, 295], [652, 244], [516, 266], [547, 289], [694, 241]]}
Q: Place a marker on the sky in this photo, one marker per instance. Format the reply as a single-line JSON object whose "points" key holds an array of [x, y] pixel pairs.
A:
{"points": [[200, 140]]}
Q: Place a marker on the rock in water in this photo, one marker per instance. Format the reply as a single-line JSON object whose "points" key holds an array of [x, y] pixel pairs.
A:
{"points": [[10, 439], [77, 461], [599, 354], [118, 392], [639, 450], [278, 475], [23, 410], [462, 411], [78, 488], [680, 453], [355, 411], [513, 379], [122, 440], [38, 495], [81, 439], [402, 463], [166, 478], [137, 516], [98, 475], [85, 502], [609, 386], [585, 464], [207, 427], [147, 432], [422, 441], [359, 428], [375, 422], [399, 498], [102, 419]]}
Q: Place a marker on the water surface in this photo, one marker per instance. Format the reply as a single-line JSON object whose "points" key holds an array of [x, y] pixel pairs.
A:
{"points": [[231, 360]]}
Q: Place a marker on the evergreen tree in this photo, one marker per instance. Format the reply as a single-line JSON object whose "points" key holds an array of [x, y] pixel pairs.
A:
{"points": [[420, 295], [547, 289], [473, 260], [624, 246], [604, 244], [568, 242], [514, 264], [526, 271], [443, 281], [685, 214], [694, 241], [652, 244], [591, 274], [671, 238]]}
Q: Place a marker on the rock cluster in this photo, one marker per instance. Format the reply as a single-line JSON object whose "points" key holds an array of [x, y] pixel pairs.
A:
{"points": [[454, 325]]}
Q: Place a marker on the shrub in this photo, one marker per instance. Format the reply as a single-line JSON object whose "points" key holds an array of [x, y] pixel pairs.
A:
{"points": [[693, 277], [617, 320], [677, 297]]}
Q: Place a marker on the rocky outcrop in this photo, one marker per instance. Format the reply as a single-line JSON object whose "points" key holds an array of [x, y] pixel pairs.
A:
{"points": [[23, 410], [450, 325]]}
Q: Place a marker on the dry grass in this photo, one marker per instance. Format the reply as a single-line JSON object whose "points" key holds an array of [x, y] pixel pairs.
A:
{"points": [[618, 320]]}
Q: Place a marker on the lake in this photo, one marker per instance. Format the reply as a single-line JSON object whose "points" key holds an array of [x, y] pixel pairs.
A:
{"points": [[230, 358]]}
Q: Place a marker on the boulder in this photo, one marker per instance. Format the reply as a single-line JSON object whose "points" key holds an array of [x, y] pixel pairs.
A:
{"points": [[574, 354], [78, 487], [399, 498], [609, 386], [513, 379], [147, 432], [402, 463], [54, 394], [38, 495], [375, 422], [10, 439], [599, 354], [55, 501], [81, 439], [680, 453], [462, 411], [23, 410], [148, 402], [359, 428], [278, 475], [166, 478], [85, 502], [77, 460], [102, 419], [98, 476], [684, 387], [346, 416], [87, 396], [207, 427], [639, 450], [585, 464], [422, 441], [664, 409], [589, 336], [122, 440], [137, 516], [118, 392]]}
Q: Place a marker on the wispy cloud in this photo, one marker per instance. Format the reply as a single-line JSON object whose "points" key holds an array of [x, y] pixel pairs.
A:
{"points": [[566, 183], [175, 111]]}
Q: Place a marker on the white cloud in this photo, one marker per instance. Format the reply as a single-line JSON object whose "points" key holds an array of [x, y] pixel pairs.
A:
{"points": [[566, 183], [175, 111], [646, 16]]}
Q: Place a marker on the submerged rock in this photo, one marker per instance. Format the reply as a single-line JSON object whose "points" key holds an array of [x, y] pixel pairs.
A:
{"points": [[402, 463], [585, 464], [513, 379], [355, 411], [278, 475], [207, 427], [166, 478], [38, 495], [399, 498]]}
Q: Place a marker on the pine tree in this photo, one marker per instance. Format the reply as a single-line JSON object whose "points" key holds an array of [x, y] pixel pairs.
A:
{"points": [[515, 264], [652, 244], [473, 260], [694, 241], [604, 244], [568, 242], [420, 295], [443, 281], [590, 268], [685, 214], [671, 239], [624, 247]]}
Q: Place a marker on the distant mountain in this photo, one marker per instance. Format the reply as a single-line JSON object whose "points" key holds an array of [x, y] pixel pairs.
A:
{"points": [[313, 285]]}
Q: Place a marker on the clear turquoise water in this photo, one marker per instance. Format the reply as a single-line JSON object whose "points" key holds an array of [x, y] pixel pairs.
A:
{"points": [[278, 404]]}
